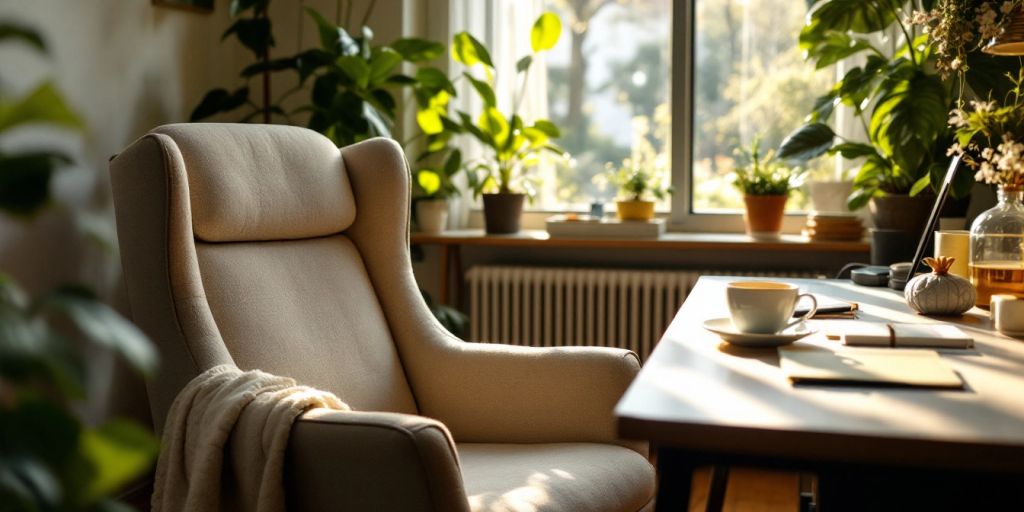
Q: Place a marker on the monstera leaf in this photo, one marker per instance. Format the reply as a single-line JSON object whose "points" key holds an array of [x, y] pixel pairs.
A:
{"points": [[807, 142]]}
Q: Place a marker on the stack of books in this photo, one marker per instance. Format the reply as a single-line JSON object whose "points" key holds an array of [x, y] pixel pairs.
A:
{"points": [[833, 226]]}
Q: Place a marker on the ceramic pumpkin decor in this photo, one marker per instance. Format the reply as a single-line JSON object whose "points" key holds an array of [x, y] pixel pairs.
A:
{"points": [[939, 292]]}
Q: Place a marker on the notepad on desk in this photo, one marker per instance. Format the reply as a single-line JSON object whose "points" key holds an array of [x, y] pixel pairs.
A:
{"points": [[876, 334], [894, 367]]}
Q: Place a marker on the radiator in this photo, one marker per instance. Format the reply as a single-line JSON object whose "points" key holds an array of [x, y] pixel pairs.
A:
{"points": [[549, 307]]}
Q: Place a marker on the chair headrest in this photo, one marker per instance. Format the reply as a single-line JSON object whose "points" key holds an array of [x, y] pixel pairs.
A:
{"points": [[262, 182]]}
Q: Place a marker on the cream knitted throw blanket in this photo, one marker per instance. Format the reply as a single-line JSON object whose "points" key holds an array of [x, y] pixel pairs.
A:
{"points": [[260, 409]]}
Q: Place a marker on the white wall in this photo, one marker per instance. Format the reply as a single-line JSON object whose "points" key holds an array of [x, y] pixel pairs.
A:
{"points": [[125, 66]]}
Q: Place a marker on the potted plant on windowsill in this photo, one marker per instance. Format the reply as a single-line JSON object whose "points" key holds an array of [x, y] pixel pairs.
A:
{"points": [[637, 187], [765, 184], [900, 95], [437, 187], [511, 145]]}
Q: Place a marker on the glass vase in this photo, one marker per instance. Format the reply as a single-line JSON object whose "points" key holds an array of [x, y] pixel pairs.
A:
{"points": [[997, 248]]}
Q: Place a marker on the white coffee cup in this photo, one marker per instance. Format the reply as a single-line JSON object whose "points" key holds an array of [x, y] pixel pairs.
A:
{"points": [[765, 307]]}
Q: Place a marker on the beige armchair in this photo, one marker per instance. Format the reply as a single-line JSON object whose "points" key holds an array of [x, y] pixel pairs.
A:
{"points": [[268, 247]]}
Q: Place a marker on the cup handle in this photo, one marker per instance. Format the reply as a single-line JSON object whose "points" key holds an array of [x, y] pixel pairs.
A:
{"points": [[809, 315]]}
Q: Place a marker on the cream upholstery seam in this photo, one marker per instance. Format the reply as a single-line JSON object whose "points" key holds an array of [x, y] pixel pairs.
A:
{"points": [[159, 138], [373, 283]]}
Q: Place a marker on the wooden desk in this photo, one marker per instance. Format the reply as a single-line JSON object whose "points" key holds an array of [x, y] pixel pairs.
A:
{"points": [[705, 402]]}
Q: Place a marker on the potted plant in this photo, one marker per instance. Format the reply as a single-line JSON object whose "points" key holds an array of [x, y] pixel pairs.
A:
{"points": [[765, 183], [900, 97], [354, 80], [50, 458], [437, 186], [511, 145], [637, 186]]}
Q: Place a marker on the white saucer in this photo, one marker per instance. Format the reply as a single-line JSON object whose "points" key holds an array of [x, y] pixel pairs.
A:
{"points": [[724, 328]]}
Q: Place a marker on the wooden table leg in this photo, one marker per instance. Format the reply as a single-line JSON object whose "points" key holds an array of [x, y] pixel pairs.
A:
{"points": [[675, 478], [716, 489]]}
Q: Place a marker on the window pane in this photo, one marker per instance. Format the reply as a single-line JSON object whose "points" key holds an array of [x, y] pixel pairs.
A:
{"points": [[608, 88], [750, 80]]}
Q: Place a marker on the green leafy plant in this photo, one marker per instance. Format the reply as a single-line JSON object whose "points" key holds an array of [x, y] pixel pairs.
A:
{"points": [[255, 33], [352, 96], [25, 175], [635, 183], [50, 460], [758, 175], [511, 145], [437, 183], [898, 96]]}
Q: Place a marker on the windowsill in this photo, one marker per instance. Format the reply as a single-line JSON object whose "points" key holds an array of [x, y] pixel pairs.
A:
{"points": [[668, 241], [714, 224]]}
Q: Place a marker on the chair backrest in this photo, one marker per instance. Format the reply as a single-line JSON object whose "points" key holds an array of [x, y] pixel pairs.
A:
{"points": [[234, 247]]}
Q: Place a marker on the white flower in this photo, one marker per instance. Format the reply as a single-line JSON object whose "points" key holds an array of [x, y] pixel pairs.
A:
{"points": [[957, 118], [987, 173], [983, 106], [987, 153]]}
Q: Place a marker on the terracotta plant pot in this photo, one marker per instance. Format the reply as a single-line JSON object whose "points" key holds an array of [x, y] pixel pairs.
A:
{"points": [[635, 210], [502, 213], [763, 215], [902, 212], [432, 215]]}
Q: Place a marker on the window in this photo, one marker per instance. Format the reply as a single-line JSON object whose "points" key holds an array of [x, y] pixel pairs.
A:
{"points": [[750, 82], [739, 76], [608, 88]]}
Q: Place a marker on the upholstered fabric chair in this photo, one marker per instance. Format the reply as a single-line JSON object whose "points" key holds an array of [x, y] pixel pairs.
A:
{"points": [[268, 247]]}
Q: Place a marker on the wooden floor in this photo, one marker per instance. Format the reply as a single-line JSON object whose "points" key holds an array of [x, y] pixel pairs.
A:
{"points": [[751, 490]]}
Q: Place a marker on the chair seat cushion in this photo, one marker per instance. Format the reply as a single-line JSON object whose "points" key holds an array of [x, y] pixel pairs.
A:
{"points": [[567, 477]]}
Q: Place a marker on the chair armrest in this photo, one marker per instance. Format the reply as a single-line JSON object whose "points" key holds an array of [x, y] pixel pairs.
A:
{"points": [[372, 461], [513, 394]]}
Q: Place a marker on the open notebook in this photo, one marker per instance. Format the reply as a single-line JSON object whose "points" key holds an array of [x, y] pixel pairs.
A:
{"points": [[889, 366]]}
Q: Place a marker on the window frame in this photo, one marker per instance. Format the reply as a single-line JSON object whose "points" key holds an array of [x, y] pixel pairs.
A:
{"points": [[681, 80]]}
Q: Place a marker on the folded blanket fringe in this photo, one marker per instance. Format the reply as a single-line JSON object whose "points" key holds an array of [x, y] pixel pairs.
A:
{"points": [[255, 410]]}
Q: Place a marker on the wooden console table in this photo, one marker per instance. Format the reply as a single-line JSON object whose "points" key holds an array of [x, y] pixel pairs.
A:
{"points": [[450, 243]]}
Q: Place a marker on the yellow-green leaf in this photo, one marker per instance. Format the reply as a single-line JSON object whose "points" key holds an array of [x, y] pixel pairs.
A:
{"points": [[439, 100], [536, 137], [44, 105], [118, 451], [429, 121], [429, 181], [468, 51], [545, 33], [493, 123], [489, 184]]}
